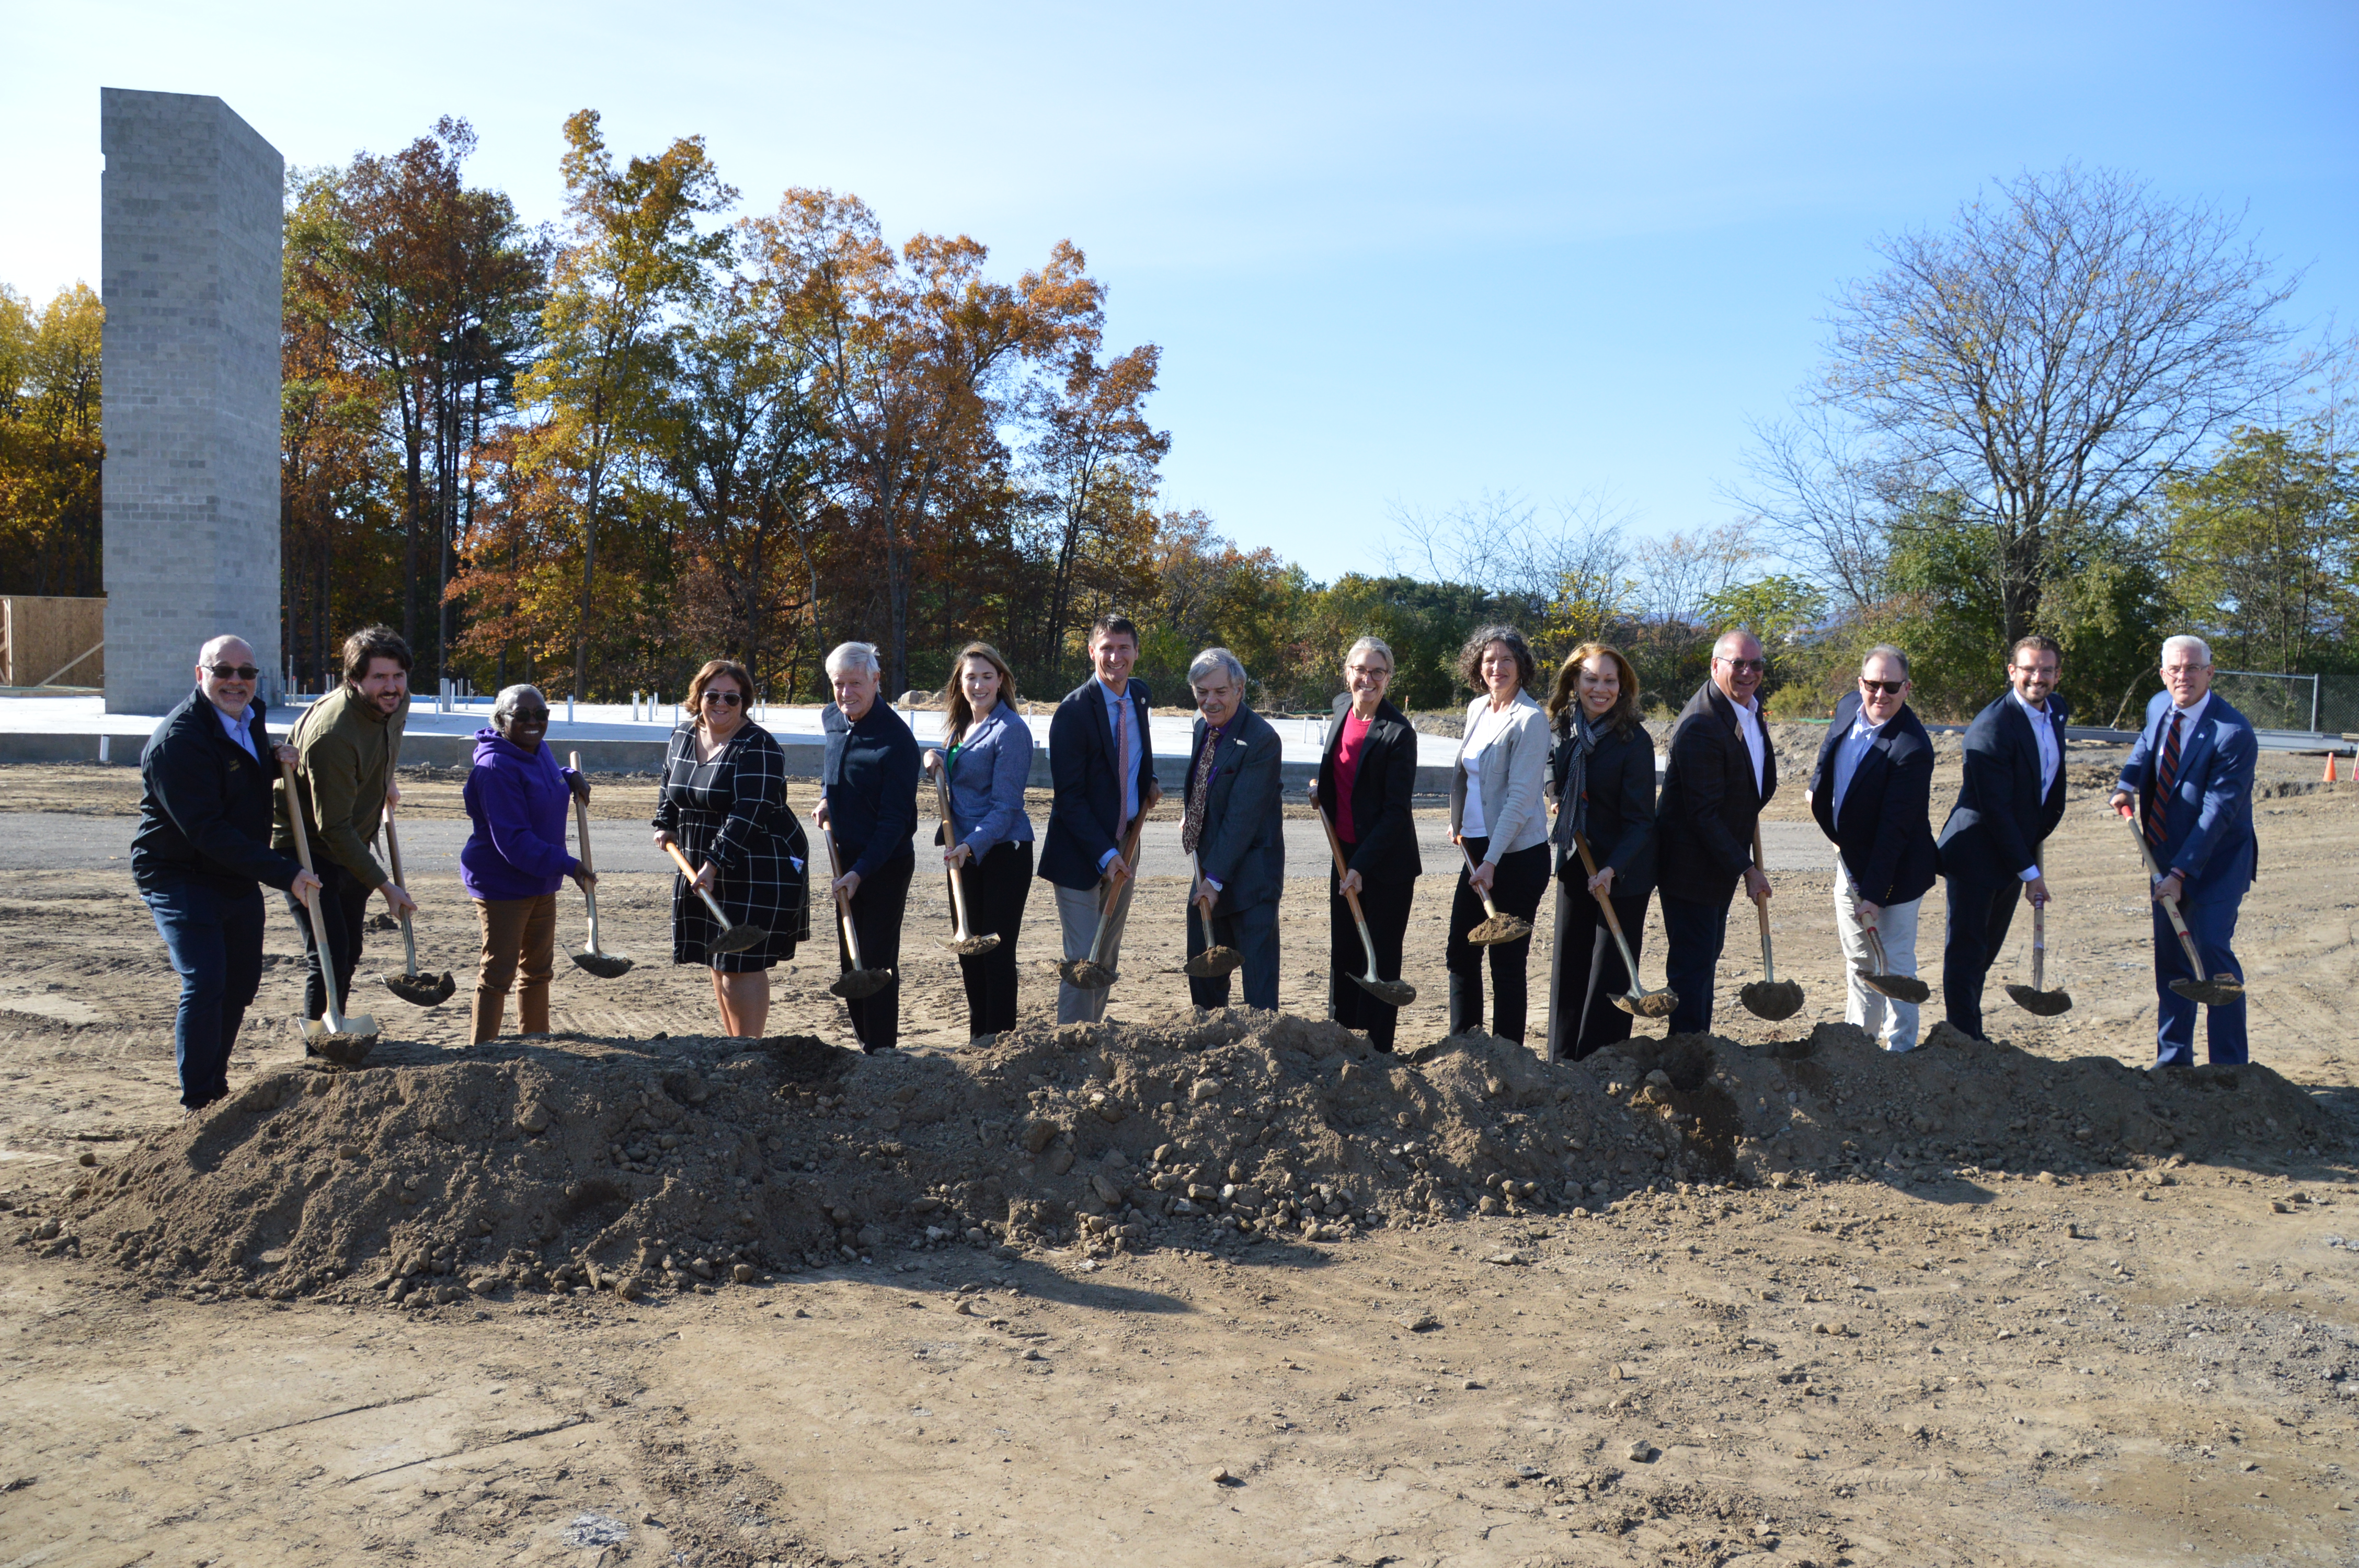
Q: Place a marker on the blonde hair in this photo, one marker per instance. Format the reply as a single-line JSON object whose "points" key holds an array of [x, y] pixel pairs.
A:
{"points": [[958, 713]]}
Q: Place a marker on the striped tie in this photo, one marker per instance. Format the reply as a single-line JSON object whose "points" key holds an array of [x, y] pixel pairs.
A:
{"points": [[2158, 813]]}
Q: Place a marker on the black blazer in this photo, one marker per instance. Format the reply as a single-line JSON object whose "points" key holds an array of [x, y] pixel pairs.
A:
{"points": [[1996, 828], [1885, 832], [1085, 816], [1387, 849], [1243, 846], [1621, 789], [205, 805], [1704, 819]]}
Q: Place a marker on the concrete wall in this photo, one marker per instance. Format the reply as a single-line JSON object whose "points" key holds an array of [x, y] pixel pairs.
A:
{"points": [[190, 248]]}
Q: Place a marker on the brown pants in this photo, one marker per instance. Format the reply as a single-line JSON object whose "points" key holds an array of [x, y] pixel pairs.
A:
{"points": [[518, 932]]}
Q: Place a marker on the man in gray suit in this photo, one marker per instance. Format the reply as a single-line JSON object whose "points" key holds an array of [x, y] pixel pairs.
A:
{"points": [[1234, 832]]}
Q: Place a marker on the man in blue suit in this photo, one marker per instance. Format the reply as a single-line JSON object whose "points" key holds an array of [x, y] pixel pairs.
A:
{"points": [[1235, 829], [2011, 800], [2188, 783], [1102, 762], [1872, 794]]}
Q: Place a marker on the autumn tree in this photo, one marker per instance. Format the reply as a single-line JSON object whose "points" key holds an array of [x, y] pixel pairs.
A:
{"points": [[1095, 459], [51, 540]]}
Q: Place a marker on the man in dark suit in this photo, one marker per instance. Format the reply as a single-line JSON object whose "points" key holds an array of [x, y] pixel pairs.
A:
{"points": [[1721, 773], [1102, 762], [1234, 831], [1872, 794], [2189, 779], [2011, 801]]}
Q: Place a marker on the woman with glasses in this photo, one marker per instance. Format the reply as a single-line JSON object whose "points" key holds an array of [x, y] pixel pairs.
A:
{"points": [[987, 748], [1366, 775], [724, 804], [868, 801], [1498, 817], [1601, 778], [515, 860]]}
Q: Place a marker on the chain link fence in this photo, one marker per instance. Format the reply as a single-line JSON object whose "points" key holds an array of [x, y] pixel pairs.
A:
{"points": [[2310, 702]]}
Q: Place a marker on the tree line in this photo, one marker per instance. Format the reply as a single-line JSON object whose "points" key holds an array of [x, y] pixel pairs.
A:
{"points": [[595, 454]]}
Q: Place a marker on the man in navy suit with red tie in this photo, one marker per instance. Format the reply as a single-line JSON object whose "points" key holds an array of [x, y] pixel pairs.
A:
{"points": [[2188, 783], [2011, 800]]}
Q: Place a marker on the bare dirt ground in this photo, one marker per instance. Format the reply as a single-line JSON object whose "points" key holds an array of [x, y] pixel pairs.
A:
{"points": [[1957, 1334]]}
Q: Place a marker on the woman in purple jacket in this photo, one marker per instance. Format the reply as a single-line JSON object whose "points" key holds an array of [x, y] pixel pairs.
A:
{"points": [[516, 796]]}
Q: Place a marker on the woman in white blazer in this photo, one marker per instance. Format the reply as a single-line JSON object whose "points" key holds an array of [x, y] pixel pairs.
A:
{"points": [[1499, 812]]}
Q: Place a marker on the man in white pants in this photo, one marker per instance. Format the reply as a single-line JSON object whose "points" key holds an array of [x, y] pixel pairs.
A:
{"points": [[1872, 795]]}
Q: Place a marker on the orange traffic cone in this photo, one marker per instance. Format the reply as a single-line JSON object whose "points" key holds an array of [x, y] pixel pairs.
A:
{"points": [[2329, 768]]}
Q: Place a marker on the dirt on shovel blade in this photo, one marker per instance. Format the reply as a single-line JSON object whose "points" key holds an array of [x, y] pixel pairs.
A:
{"points": [[1772, 999], [422, 991], [853, 985], [1498, 928], [1213, 962], [1652, 1004], [1088, 976], [2220, 993], [1392, 993], [2039, 1004], [1900, 987], [605, 965]]}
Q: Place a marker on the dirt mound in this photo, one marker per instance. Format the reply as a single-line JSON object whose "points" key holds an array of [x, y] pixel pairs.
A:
{"points": [[573, 1165]]}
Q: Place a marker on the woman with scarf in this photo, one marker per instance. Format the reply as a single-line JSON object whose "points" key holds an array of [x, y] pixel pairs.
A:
{"points": [[1367, 776], [1602, 780]]}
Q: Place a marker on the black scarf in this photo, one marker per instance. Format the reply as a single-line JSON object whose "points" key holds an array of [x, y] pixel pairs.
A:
{"points": [[1572, 787]]}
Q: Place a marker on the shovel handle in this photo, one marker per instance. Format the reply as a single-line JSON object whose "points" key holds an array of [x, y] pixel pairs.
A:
{"points": [[582, 834], [408, 936], [1335, 847], [2038, 946], [710, 902], [2169, 905], [1490, 909], [1613, 921], [1761, 907], [842, 904], [312, 902], [949, 839]]}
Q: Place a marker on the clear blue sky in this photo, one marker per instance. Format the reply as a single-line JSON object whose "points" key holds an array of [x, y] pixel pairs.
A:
{"points": [[1393, 254]]}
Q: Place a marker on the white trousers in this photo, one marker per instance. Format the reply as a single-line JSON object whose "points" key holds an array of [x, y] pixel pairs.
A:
{"points": [[1890, 1023], [1077, 919]]}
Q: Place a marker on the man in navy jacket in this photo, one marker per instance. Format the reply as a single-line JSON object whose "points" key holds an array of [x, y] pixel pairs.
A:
{"points": [[1235, 827], [2188, 783], [1102, 762], [1872, 794], [201, 852], [2012, 799]]}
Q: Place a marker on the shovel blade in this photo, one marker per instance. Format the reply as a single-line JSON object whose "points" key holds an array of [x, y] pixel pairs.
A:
{"points": [[1085, 975], [2211, 993], [1498, 928], [1215, 962], [1899, 988], [1392, 993], [347, 1047], [854, 985], [422, 991], [1651, 1004], [2039, 1004], [736, 939], [605, 965], [972, 946], [1773, 1000]]}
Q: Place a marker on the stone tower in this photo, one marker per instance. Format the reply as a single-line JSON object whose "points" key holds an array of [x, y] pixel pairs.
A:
{"points": [[190, 245]]}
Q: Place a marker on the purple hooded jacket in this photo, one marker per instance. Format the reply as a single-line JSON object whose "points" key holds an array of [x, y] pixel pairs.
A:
{"points": [[517, 802]]}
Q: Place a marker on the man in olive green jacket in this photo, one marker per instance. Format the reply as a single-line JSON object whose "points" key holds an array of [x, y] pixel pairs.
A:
{"points": [[347, 740]]}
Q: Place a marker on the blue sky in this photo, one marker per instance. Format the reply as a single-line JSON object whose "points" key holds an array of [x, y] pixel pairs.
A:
{"points": [[1395, 257]]}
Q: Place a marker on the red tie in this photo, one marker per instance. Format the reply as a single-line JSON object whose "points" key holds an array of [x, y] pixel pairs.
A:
{"points": [[1122, 749], [2157, 813]]}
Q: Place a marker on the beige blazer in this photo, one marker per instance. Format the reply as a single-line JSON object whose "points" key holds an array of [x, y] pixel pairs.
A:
{"points": [[1513, 770]]}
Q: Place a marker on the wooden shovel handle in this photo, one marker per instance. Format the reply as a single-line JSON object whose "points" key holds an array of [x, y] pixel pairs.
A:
{"points": [[311, 900], [1613, 921], [710, 902], [1761, 905], [582, 834], [2169, 905], [1335, 847], [950, 839]]}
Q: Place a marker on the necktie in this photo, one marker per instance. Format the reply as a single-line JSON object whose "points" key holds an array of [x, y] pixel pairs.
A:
{"points": [[1123, 749], [2157, 813], [1199, 793]]}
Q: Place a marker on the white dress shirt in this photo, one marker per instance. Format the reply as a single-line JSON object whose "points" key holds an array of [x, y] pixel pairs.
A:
{"points": [[1748, 724], [2052, 757]]}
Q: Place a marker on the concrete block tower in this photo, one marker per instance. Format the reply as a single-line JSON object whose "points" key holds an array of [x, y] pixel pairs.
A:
{"points": [[190, 238]]}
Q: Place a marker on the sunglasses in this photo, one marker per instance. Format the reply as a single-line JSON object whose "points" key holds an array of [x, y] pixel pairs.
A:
{"points": [[725, 698], [233, 672], [1740, 665], [528, 715], [1888, 688]]}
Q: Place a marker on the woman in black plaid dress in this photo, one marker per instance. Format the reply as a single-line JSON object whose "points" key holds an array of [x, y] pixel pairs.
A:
{"points": [[725, 802]]}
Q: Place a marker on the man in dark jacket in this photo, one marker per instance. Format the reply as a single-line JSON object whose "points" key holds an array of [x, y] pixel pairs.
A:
{"points": [[2011, 800], [1235, 829], [203, 850], [1102, 762], [1721, 774], [1872, 794]]}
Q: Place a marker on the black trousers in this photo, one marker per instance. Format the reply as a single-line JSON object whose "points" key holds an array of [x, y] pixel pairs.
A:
{"points": [[997, 887], [1588, 972], [876, 911], [1385, 905], [344, 902], [1980, 913], [1693, 934], [1522, 878]]}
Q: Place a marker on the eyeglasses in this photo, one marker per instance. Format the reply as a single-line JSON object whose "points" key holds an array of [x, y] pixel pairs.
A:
{"points": [[1888, 688], [528, 715], [724, 699], [1741, 666], [1367, 669], [233, 672]]}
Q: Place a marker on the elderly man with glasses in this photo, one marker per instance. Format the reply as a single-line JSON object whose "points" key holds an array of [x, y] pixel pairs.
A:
{"points": [[1872, 794], [1723, 770], [203, 852]]}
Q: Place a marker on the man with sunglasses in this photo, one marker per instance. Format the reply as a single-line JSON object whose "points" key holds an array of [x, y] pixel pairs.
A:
{"points": [[202, 852], [1723, 770], [2011, 800], [1872, 794]]}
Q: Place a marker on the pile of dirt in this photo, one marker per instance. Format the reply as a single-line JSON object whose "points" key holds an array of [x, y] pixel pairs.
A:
{"points": [[574, 1165]]}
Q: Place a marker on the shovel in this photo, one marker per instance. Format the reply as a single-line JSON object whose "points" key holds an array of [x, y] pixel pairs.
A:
{"points": [[963, 942], [2220, 989], [1639, 1003], [418, 990], [1214, 961], [733, 938], [604, 964], [1494, 927], [1392, 993], [1769, 997], [338, 1038], [1090, 974], [2030, 998], [1899, 988], [856, 982]]}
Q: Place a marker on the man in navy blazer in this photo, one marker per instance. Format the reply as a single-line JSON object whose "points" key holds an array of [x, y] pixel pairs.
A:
{"points": [[1872, 793], [1102, 762], [2188, 783], [1236, 828], [2012, 799]]}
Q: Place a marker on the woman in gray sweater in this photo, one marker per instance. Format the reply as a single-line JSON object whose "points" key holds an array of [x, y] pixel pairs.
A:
{"points": [[1499, 815]]}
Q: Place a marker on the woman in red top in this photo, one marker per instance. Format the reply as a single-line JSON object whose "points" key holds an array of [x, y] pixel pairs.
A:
{"points": [[1365, 779]]}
